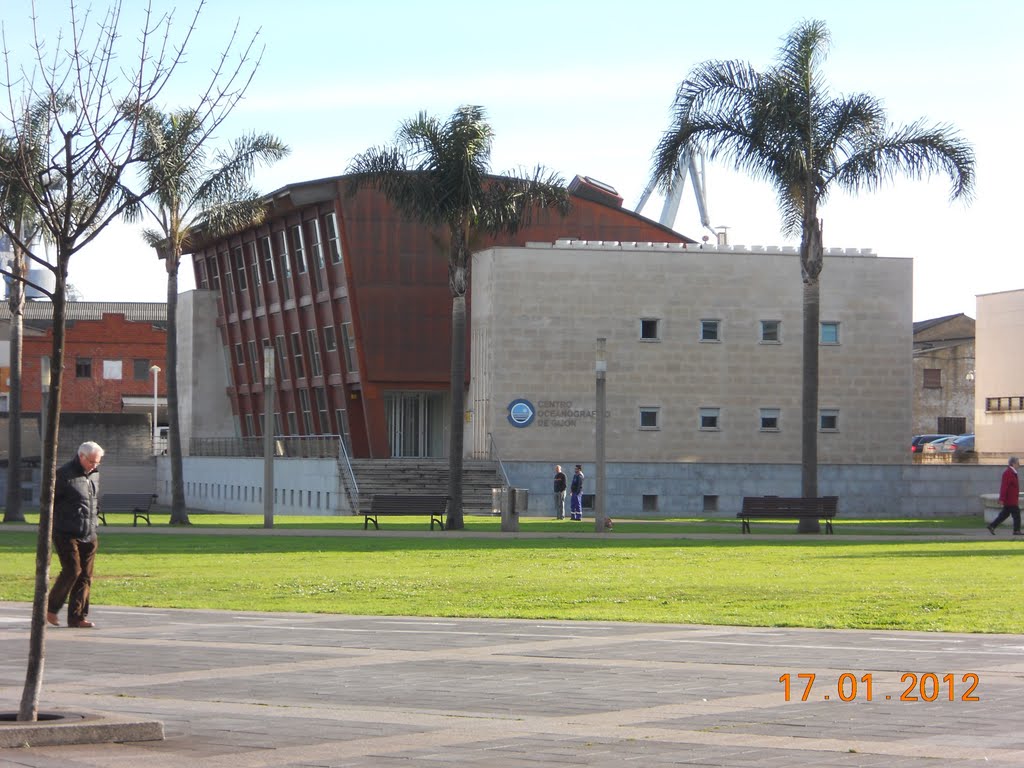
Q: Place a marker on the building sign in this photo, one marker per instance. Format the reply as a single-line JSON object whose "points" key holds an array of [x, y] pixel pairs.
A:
{"points": [[521, 413], [548, 413]]}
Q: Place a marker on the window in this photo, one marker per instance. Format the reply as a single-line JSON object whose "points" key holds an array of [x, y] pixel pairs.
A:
{"points": [[112, 369], [322, 413], [933, 378], [649, 329], [239, 354], [240, 268], [254, 360], [83, 368], [214, 272], [333, 238], [249, 425], [829, 420], [348, 343], [710, 330], [254, 267], [330, 340], [293, 423], [285, 262], [769, 419], [952, 425], [267, 255], [710, 503], [300, 370], [307, 413], [770, 332], [140, 369], [299, 249], [282, 358], [648, 417], [201, 281], [277, 423], [649, 503], [317, 249], [342, 418], [314, 353], [830, 333], [229, 291], [709, 418]]}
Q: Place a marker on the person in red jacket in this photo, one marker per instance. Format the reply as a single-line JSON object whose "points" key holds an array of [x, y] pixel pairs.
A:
{"points": [[1009, 497]]}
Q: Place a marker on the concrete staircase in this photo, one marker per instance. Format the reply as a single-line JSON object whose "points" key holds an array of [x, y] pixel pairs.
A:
{"points": [[430, 476]]}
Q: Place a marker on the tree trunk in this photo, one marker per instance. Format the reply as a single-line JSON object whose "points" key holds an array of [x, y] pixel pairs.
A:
{"points": [[179, 514], [29, 709], [812, 255], [13, 512], [458, 404]]}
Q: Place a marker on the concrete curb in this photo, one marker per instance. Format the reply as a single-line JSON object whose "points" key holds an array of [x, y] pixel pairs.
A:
{"points": [[60, 727]]}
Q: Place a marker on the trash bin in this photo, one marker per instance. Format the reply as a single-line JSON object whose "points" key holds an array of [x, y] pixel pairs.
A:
{"points": [[516, 501]]}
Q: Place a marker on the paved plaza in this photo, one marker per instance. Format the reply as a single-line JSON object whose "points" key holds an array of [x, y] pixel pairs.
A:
{"points": [[249, 690]]}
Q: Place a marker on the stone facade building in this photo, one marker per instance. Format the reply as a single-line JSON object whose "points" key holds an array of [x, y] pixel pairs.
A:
{"points": [[944, 374], [999, 382]]}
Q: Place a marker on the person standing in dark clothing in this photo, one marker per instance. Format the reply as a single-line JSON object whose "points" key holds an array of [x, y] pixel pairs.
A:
{"points": [[576, 494], [1009, 497], [559, 493], [75, 539]]}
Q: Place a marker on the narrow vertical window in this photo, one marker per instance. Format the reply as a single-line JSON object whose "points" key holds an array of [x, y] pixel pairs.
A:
{"points": [[314, 352], [300, 370], [298, 249], [333, 238]]}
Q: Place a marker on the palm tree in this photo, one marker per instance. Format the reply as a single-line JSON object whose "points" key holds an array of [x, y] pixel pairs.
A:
{"points": [[438, 173], [784, 127], [24, 147], [192, 194]]}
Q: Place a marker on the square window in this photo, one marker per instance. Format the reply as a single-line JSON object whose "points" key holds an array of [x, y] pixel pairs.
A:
{"points": [[140, 369], [933, 378], [830, 333], [648, 418], [710, 330], [829, 420], [650, 503], [710, 503], [83, 368], [649, 329], [769, 419], [709, 418], [770, 331], [112, 369]]}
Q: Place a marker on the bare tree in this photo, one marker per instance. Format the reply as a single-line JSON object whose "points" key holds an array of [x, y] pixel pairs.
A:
{"points": [[95, 95]]}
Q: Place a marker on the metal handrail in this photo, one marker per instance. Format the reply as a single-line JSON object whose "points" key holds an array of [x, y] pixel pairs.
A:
{"points": [[493, 450], [351, 474]]}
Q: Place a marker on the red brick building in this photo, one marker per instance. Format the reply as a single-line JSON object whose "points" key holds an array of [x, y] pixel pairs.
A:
{"points": [[354, 299], [109, 349]]}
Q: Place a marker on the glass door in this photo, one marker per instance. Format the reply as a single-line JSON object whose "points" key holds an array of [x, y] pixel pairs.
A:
{"points": [[415, 424]]}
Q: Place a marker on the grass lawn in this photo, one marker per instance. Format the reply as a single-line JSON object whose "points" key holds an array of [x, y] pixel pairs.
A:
{"points": [[809, 582]]}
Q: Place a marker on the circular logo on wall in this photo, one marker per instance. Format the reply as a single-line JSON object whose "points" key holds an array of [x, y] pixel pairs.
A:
{"points": [[521, 413]]}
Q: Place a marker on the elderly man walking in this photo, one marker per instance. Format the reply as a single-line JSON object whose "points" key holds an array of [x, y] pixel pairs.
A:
{"points": [[75, 539]]}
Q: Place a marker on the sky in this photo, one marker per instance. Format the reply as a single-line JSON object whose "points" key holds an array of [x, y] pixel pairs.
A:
{"points": [[585, 87]]}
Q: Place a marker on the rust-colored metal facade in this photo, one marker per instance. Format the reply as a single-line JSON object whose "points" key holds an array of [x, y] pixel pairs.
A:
{"points": [[354, 298]]}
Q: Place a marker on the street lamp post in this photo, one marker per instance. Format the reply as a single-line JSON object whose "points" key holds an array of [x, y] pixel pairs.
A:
{"points": [[155, 370], [600, 371], [268, 437]]}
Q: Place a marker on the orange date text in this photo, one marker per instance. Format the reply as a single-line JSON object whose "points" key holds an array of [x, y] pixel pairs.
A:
{"points": [[848, 686]]}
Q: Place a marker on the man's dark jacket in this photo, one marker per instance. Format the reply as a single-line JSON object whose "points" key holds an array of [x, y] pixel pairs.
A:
{"points": [[75, 502]]}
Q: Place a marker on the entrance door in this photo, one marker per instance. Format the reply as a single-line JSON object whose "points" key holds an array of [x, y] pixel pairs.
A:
{"points": [[415, 424]]}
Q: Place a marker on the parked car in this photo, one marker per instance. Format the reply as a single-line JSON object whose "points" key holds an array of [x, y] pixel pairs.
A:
{"points": [[936, 446], [959, 447], [917, 442]]}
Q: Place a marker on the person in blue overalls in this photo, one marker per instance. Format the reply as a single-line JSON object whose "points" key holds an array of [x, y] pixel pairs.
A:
{"points": [[576, 494]]}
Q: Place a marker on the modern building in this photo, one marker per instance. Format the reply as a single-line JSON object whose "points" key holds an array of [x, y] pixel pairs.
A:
{"points": [[999, 375], [944, 375], [353, 298], [704, 366]]}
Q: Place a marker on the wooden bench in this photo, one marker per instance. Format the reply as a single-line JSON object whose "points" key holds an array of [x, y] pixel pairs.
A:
{"points": [[408, 505], [788, 508], [136, 503]]}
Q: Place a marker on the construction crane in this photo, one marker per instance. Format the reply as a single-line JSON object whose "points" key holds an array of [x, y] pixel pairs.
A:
{"points": [[686, 167]]}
